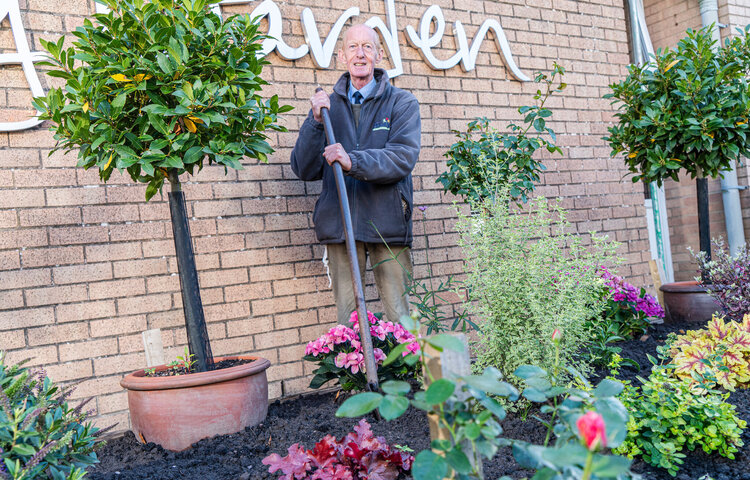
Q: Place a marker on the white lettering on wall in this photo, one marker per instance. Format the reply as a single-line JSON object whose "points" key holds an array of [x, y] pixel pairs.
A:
{"points": [[321, 50], [466, 55], [24, 57]]}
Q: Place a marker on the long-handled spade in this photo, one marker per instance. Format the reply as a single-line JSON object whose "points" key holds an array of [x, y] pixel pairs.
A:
{"points": [[351, 250]]}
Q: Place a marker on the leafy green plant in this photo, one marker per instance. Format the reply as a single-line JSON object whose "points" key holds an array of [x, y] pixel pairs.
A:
{"points": [[721, 350], [484, 161], [464, 407], [340, 358], [668, 416], [528, 275], [159, 89], [40, 435], [686, 110], [584, 420]]}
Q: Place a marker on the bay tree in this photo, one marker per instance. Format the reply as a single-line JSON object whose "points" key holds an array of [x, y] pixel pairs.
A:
{"points": [[686, 111], [159, 90]]}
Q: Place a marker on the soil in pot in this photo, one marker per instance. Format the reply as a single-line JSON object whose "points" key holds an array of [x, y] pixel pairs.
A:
{"points": [[307, 419]]}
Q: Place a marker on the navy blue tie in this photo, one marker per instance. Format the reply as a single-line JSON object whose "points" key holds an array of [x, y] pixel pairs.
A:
{"points": [[357, 97]]}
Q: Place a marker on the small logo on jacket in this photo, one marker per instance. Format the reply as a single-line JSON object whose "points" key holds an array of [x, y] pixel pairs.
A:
{"points": [[384, 124]]}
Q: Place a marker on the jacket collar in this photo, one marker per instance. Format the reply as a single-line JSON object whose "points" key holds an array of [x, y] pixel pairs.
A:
{"points": [[381, 78]]}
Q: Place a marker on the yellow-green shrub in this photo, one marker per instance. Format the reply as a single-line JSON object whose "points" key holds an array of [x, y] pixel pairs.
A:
{"points": [[721, 350]]}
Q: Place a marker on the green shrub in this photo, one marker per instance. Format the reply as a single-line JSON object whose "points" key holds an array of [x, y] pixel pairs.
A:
{"points": [[484, 161], [668, 415], [528, 275], [720, 351], [40, 435]]}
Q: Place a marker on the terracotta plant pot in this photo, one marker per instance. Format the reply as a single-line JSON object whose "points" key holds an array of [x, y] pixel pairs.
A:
{"points": [[687, 302], [177, 411]]}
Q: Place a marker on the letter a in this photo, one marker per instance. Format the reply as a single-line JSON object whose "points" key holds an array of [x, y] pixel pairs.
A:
{"points": [[24, 57]]}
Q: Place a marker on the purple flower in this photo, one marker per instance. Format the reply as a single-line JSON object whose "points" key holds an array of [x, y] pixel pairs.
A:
{"points": [[422, 208]]}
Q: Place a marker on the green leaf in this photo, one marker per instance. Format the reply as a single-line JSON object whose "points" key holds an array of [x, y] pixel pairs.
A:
{"points": [[393, 406], [458, 460], [528, 371], [534, 395], [23, 449], [429, 466], [610, 466], [396, 387], [608, 388], [446, 341], [395, 354], [359, 404], [439, 391], [119, 101], [472, 430]]}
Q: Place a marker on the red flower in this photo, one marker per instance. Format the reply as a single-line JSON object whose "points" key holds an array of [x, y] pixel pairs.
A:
{"points": [[556, 335], [592, 429]]}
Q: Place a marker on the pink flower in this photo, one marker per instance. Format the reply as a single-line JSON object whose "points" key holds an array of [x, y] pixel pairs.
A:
{"points": [[379, 355], [556, 336], [592, 430]]}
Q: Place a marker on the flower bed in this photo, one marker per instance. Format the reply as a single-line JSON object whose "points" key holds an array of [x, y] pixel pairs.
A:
{"points": [[307, 419]]}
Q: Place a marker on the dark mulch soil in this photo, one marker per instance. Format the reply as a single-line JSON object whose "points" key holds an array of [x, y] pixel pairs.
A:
{"points": [[306, 419], [180, 369]]}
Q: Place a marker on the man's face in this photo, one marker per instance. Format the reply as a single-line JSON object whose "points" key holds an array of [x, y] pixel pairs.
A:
{"points": [[361, 52]]}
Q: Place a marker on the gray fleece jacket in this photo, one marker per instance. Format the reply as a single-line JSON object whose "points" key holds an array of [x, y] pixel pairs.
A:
{"points": [[383, 149]]}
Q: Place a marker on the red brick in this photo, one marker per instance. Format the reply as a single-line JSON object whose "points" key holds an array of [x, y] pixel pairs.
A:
{"points": [[140, 268], [243, 258], [137, 231], [37, 356], [12, 339], [249, 326], [110, 213], [21, 198], [117, 288], [227, 311], [296, 319], [22, 238], [120, 364], [144, 304], [85, 311], [44, 257], [118, 326], [74, 196], [223, 277], [55, 295], [82, 273], [112, 251], [49, 216], [24, 278], [218, 208], [56, 334], [273, 305], [251, 291]]}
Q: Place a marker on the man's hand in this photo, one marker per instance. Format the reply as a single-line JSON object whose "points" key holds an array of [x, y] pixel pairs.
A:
{"points": [[336, 153], [318, 101]]}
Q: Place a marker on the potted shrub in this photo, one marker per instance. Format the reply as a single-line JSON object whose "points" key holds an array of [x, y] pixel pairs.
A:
{"points": [[159, 89], [687, 110]]}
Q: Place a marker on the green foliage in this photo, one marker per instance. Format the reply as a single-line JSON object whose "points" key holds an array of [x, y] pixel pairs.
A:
{"points": [[669, 416], [479, 167], [465, 407], [155, 88], [40, 435], [568, 457], [721, 352], [528, 275], [686, 110]]}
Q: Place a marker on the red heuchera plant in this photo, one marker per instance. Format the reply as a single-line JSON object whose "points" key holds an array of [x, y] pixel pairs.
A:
{"points": [[359, 455]]}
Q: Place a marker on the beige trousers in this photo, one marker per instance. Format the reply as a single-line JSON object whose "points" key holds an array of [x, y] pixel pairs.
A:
{"points": [[391, 278]]}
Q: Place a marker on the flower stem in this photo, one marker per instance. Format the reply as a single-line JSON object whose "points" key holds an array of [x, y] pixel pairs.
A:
{"points": [[587, 468]]}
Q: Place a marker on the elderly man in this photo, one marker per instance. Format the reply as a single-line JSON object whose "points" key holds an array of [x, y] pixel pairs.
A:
{"points": [[378, 127]]}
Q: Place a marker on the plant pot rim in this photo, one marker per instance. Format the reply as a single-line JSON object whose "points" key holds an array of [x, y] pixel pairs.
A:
{"points": [[690, 286], [139, 381]]}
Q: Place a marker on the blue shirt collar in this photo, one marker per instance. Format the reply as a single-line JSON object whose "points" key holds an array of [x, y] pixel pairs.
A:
{"points": [[365, 91]]}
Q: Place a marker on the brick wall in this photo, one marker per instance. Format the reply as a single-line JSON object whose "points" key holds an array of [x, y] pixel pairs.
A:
{"points": [[668, 21], [85, 267]]}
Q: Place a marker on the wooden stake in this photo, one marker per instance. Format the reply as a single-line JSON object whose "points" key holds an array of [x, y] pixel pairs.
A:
{"points": [[153, 346], [656, 278], [449, 364]]}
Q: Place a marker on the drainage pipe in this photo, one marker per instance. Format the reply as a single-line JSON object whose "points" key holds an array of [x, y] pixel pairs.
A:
{"points": [[730, 190]]}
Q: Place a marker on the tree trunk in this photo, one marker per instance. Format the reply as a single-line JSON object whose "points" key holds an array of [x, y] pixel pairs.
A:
{"points": [[195, 321], [704, 229]]}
